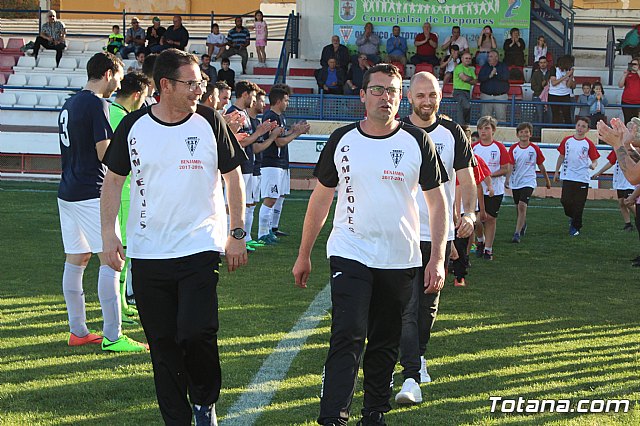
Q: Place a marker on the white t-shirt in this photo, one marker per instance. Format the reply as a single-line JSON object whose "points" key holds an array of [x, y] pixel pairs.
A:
{"points": [[561, 88], [461, 42], [495, 155], [524, 162], [216, 39], [619, 181], [578, 154], [376, 218]]}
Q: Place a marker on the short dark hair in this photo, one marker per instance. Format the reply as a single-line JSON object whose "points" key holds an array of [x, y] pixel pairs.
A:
{"points": [[225, 60], [244, 86], [587, 83], [205, 56], [260, 92], [277, 93], [565, 62], [215, 25], [208, 92], [148, 64], [597, 83], [525, 125], [396, 26], [512, 30], [585, 119], [168, 64], [454, 47], [455, 27], [102, 62], [222, 85], [133, 82], [115, 26], [388, 69]]}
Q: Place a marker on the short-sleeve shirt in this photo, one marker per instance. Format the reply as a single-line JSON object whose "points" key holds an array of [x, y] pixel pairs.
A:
{"points": [[177, 208], [578, 154], [524, 162], [54, 30], [619, 181], [376, 219], [457, 82], [461, 42], [631, 92], [216, 39], [426, 49], [455, 153], [138, 34], [257, 157], [238, 38], [247, 166], [495, 155], [275, 156], [82, 123]]}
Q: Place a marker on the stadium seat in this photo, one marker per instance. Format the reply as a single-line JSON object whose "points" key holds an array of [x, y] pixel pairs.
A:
{"points": [[68, 64], [3, 80], [62, 98], [516, 80], [78, 81], [25, 63], [38, 80], [95, 46], [586, 79], [1, 43], [46, 63], [18, 80], [59, 81], [13, 45], [7, 100], [75, 46], [447, 90], [265, 87], [82, 63], [424, 67], [401, 68], [515, 90], [27, 100], [301, 72], [264, 71], [48, 100], [302, 90], [7, 62], [198, 49], [527, 74]]}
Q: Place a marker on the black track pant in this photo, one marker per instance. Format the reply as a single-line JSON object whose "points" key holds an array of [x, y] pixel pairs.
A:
{"points": [[573, 199]]}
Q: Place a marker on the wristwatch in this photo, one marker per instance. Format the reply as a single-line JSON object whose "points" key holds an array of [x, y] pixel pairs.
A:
{"points": [[238, 233]]}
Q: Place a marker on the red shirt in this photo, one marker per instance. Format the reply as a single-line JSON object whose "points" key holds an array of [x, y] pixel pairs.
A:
{"points": [[426, 49], [631, 92], [480, 171]]}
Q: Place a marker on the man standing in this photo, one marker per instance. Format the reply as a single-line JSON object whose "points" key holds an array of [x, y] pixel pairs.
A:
{"points": [[525, 156], [275, 166], [176, 36], [426, 44], [464, 78], [374, 246], [337, 51], [154, 35], [494, 86], [456, 155], [457, 39], [176, 151], [539, 79], [577, 155], [134, 39], [52, 36], [369, 43], [238, 40], [396, 47], [85, 134]]}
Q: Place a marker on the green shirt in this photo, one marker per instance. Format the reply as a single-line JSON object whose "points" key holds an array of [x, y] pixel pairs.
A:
{"points": [[459, 84], [116, 114]]}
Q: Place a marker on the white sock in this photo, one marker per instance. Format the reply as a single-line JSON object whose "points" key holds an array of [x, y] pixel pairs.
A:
{"points": [[480, 239], [264, 220], [277, 211], [108, 294], [488, 250], [74, 298], [129, 279], [248, 221]]}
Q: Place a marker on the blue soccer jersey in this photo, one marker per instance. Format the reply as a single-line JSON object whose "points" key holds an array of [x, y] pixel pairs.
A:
{"points": [[82, 123], [247, 166], [275, 156]]}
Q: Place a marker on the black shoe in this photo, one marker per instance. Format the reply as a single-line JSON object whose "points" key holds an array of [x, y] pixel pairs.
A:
{"points": [[636, 264], [278, 233], [628, 227], [479, 249], [487, 255], [523, 230], [635, 259], [374, 418]]}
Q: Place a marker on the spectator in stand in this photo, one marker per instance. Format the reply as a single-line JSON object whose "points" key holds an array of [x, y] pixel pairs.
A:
{"points": [[597, 104], [464, 78], [137, 65], [426, 44], [369, 43], [540, 79], [494, 86], [631, 43], [226, 74], [396, 47], [238, 41], [134, 39], [630, 81], [207, 69], [356, 75], [561, 90], [337, 51], [331, 79], [486, 43], [449, 63], [176, 36], [154, 35], [52, 36], [514, 48], [115, 41], [583, 99], [539, 51], [216, 43], [456, 39]]}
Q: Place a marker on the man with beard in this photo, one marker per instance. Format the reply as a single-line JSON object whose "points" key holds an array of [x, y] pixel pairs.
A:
{"points": [[456, 155]]}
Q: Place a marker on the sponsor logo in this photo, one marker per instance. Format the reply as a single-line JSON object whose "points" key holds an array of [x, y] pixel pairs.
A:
{"points": [[345, 32], [336, 275]]}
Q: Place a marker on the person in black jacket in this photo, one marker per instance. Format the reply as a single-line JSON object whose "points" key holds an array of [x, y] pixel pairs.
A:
{"points": [[331, 79], [337, 51]]}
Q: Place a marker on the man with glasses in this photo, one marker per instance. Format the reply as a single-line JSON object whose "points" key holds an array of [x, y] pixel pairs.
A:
{"points": [[376, 165], [176, 151], [464, 78], [134, 39], [52, 36]]}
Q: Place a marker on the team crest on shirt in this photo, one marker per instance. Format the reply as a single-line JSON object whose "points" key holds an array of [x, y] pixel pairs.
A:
{"points": [[531, 155], [192, 144], [396, 156], [494, 155], [439, 148]]}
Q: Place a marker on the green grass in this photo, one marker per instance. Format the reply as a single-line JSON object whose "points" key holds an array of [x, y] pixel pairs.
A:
{"points": [[552, 317]]}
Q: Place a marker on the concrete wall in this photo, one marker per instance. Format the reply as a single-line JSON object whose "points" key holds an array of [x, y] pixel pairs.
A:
{"points": [[316, 27], [161, 6]]}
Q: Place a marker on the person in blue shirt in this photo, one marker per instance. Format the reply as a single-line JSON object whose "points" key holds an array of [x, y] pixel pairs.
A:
{"points": [[238, 41], [397, 47], [331, 79]]}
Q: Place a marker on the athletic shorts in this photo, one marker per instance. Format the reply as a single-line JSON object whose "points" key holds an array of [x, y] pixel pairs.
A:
{"points": [[249, 182], [522, 194], [255, 193], [624, 193], [492, 204], [275, 182], [80, 226]]}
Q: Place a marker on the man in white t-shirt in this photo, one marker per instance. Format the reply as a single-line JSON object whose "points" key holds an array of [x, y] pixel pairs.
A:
{"points": [[376, 166], [577, 155], [216, 43], [176, 152], [457, 39], [525, 155]]}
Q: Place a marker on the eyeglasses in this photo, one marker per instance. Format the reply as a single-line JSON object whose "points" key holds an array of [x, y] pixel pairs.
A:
{"points": [[193, 85], [379, 90]]}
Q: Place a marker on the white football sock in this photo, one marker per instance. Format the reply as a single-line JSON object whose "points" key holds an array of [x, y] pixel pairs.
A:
{"points": [[264, 220], [108, 294], [248, 221], [74, 298], [277, 211]]}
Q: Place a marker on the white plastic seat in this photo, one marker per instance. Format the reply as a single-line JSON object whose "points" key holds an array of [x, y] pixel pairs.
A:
{"points": [[198, 49], [67, 63], [95, 46], [17, 80], [7, 100], [38, 80], [62, 98], [75, 46], [27, 100], [60, 81], [82, 64], [78, 81], [46, 62], [48, 100], [25, 63]]}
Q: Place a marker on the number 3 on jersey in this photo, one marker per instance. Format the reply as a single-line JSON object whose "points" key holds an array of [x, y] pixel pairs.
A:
{"points": [[63, 122]]}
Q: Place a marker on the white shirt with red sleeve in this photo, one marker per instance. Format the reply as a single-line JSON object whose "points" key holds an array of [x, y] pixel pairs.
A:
{"points": [[578, 155], [619, 181], [525, 161], [495, 155]]}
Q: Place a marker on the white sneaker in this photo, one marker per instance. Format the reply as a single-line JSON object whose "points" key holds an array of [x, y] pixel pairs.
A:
{"points": [[424, 374], [410, 393]]}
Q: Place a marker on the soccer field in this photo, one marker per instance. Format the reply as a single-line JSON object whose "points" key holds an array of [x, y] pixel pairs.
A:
{"points": [[551, 318]]}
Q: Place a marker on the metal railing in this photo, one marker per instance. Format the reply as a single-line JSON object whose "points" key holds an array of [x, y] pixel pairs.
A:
{"points": [[544, 17], [289, 47]]}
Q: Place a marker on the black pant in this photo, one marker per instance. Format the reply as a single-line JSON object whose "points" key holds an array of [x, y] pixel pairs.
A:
{"points": [[178, 307], [561, 113], [418, 318], [48, 45], [461, 264], [367, 303], [629, 113], [573, 199], [638, 219]]}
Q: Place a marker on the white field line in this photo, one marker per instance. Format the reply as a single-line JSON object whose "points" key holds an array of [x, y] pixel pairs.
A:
{"points": [[267, 380]]}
